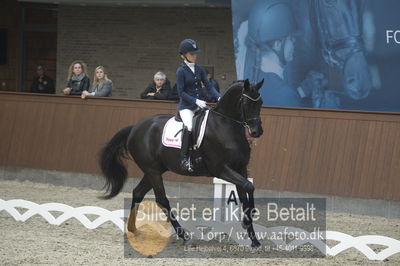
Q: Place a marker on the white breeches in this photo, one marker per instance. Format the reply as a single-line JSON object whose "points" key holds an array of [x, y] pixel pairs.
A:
{"points": [[187, 117]]}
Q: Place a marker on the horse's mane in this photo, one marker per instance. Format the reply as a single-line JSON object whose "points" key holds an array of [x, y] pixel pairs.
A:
{"points": [[231, 94], [233, 89]]}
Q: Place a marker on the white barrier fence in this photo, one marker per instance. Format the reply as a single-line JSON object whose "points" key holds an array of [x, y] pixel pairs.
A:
{"points": [[117, 217]]}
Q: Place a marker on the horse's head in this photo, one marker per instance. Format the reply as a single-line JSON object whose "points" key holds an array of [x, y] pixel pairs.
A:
{"points": [[250, 105], [242, 103], [339, 26]]}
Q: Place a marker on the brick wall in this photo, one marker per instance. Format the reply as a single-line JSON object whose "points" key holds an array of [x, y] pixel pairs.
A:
{"points": [[134, 43]]}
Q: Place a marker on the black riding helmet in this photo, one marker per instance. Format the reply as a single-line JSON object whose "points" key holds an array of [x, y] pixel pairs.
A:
{"points": [[188, 46]]}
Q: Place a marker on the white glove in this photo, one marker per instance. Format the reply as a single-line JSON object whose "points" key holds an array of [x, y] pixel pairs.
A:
{"points": [[201, 104]]}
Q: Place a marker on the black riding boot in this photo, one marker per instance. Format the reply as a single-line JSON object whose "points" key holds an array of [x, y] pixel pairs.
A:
{"points": [[185, 153]]}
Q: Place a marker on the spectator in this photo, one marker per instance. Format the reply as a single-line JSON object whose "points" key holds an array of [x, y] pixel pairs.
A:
{"points": [[158, 89], [173, 95], [42, 83], [209, 97], [102, 86], [213, 82], [78, 81]]}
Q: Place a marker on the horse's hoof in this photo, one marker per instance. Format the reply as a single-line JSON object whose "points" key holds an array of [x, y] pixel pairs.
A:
{"points": [[255, 243], [185, 237], [245, 226], [131, 228], [187, 241]]}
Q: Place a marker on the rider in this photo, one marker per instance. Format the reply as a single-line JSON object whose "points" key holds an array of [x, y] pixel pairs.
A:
{"points": [[188, 81]]}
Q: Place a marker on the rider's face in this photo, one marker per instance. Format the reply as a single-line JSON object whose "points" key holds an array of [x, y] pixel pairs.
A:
{"points": [[191, 57], [289, 48]]}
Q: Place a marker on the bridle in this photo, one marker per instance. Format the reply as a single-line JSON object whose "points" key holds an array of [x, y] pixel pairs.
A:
{"points": [[244, 119], [330, 48]]}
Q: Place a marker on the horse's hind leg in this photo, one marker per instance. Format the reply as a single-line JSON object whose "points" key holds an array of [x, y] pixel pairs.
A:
{"points": [[161, 198], [138, 194]]}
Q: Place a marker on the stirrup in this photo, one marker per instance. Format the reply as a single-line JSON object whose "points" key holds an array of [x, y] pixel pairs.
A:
{"points": [[186, 165]]}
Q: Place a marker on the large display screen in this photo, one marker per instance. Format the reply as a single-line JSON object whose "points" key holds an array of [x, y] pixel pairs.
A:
{"points": [[332, 54]]}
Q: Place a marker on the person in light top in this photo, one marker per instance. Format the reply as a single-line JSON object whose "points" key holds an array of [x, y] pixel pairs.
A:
{"points": [[102, 85]]}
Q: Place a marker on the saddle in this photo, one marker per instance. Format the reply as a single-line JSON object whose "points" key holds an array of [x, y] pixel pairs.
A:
{"points": [[172, 132]]}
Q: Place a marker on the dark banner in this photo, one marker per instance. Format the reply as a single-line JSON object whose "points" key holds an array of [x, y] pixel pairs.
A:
{"points": [[333, 54]]}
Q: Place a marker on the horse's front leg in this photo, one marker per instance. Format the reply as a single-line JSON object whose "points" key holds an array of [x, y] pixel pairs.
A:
{"points": [[244, 187], [248, 210], [230, 175]]}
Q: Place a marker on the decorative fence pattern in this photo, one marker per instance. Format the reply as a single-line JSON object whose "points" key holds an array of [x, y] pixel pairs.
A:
{"points": [[117, 217]]}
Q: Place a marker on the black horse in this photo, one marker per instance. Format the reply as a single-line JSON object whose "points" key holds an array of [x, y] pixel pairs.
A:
{"points": [[225, 151]]}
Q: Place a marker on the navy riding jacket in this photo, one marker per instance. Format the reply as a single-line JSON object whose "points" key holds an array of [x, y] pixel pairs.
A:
{"points": [[189, 86]]}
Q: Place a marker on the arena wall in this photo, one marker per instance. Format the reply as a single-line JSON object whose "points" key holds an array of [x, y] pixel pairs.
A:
{"points": [[344, 153]]}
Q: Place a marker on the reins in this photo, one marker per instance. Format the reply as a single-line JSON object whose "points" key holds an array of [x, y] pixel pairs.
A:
{"points": [[227, 117], [244, 123]]}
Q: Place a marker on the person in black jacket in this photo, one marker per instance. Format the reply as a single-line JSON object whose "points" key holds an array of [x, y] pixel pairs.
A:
{"points": [[173, 95], [209, 97], [78, 81], [159, 89], [42, 83]]}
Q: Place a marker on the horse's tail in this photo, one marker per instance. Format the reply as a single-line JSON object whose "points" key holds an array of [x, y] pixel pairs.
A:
{"points": [[111, 162]]}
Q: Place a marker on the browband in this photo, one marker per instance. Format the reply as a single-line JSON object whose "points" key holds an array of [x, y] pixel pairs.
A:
{"points": [[254, 100]]}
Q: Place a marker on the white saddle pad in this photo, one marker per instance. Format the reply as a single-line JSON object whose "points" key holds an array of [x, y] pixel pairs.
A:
{"points": [[170, 138]]}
